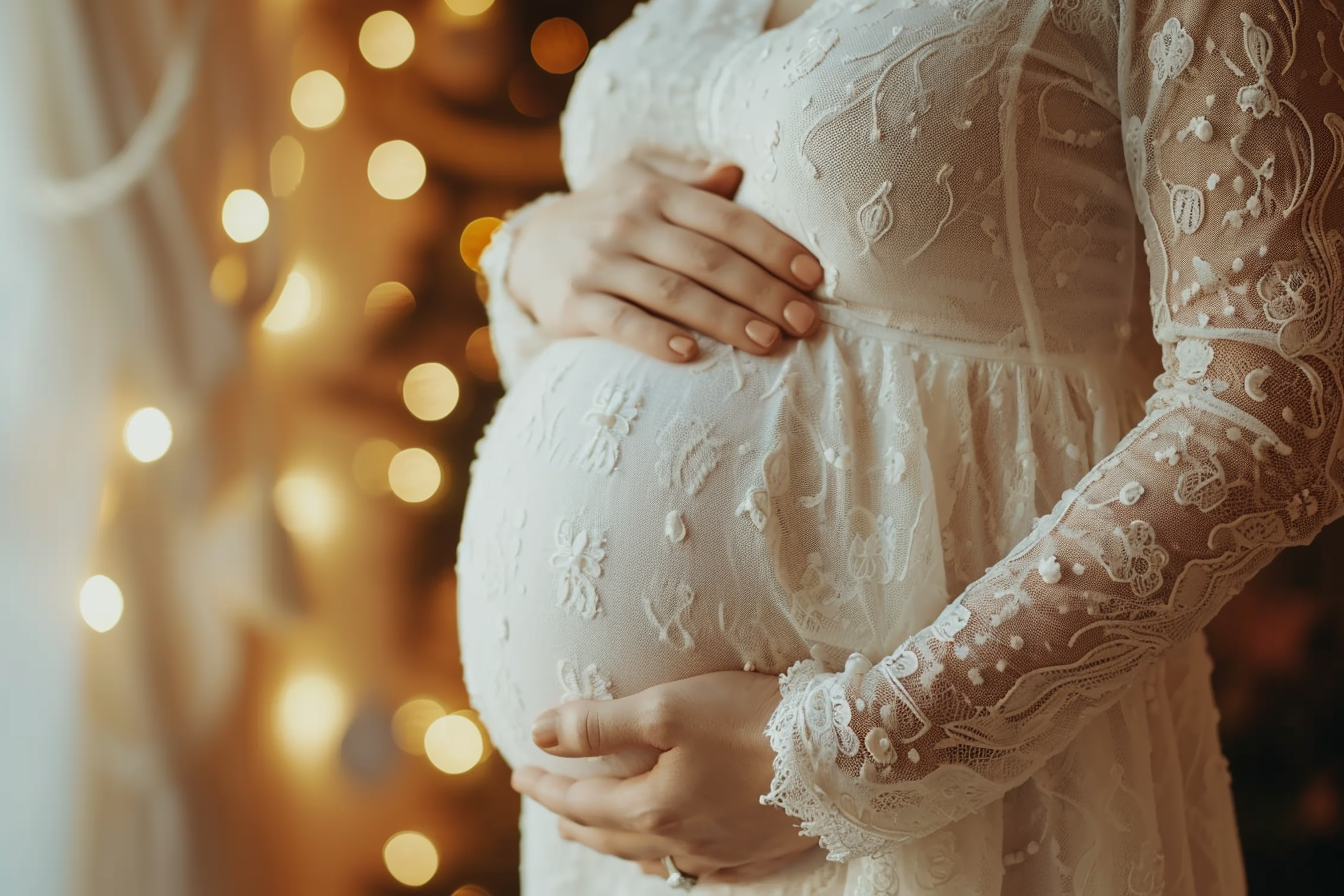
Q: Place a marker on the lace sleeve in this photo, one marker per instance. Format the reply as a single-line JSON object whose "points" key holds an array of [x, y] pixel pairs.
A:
{"points": [[515, 336], [1235, 147]]}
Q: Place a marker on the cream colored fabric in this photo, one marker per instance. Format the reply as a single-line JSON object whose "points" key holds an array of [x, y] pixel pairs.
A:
{"points": [[948, 516]]}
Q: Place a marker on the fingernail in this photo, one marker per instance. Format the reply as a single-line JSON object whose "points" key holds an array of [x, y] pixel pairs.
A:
{"points": [[807, 270], [800, 316], [762, 334], [544, 732], [682, 345]]}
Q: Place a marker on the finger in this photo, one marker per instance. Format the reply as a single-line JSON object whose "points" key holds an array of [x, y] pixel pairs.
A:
{"points": [[621, 844], [620, 321], [611, 803], [752, 871], [580, 728], [676, 296], [722, 180], [734, 225], [726, 272]]}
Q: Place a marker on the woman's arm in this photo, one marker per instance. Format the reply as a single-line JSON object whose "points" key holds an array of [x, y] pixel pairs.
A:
{"points": [[1235, 150], [643, 258]]}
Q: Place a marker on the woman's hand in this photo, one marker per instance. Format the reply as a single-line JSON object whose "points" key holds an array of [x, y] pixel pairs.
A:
{"points": [[699, 804], [640, 257]]}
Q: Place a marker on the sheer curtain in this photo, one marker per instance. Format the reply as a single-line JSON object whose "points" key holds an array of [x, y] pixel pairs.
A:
{"points": [[122, 126]]}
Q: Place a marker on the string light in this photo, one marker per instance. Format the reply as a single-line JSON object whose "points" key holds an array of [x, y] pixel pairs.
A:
{"points": [[480, 356], [475, 237], [411, 858], [317, 100], [101, 603], [293, 307], [386, 39], [396, 170], [414, 475], [412, 720], [228, 279], [469, 8], [559, 45], [245, 216], [306, 505], [371, 464], [430, 391], [388, 301], [454, 744], [148, 435], [310, 714], [287, 163]]}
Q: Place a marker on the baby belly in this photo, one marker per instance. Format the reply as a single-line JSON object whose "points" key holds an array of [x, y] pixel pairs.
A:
{"points": [[632, 522]]}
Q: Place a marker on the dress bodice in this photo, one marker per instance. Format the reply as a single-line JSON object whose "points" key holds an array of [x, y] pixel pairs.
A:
{"points": [[881, 134]]}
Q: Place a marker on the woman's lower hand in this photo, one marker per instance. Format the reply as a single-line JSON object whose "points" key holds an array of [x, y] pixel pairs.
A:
{"points": [[643, 258], [699, 804]]}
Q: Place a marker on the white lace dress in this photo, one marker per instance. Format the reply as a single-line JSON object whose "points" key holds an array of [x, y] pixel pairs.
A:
{"points": [[949, 517]]}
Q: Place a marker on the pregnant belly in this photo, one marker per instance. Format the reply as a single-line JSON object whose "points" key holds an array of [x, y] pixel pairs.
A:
{"points": [[632, 522]]}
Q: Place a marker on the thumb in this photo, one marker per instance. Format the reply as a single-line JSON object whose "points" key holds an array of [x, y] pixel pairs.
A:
{"points": [[722, 178], [581, 728]]}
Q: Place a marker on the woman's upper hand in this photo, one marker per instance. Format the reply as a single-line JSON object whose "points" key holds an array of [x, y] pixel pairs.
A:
{"points": [[643, 258]]}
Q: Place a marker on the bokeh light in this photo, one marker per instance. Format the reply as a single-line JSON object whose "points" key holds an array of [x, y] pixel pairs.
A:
{"points": [[228, 279], [559, 45], [386, 39], [371, 463], [412, 720], [469, 7], [471, 890], [310, 715], [317, 100], [528, 95], [245, 216], [306, 505], [430, 391], [293, 307], [396, 170], [388, 301], [414, 475], [454, 744], [148, 435], [101, 603], [411, 858], [287, 161], [475, 237], [480, 355]]}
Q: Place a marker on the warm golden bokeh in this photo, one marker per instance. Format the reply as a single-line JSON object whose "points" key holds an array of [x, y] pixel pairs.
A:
{"points": [[469, 7], [307, 505], [245, 216], [430, 391], [475, 237], [101, 603], [310, 711], [148, 435], [559, 45], [412, 719], [371, 463], [317, 100], [294, 306], [411, 858], [386, 39], [388, 301], [396, 170], [454, 744], [414, 475], [480, 355], [287, 161], [228, 279]]}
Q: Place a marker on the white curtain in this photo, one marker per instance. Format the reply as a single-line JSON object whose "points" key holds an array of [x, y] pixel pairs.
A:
{"points": [[115, 118]]}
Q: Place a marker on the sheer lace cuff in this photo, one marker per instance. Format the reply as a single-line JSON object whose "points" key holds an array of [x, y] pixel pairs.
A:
{"points": [[514, 334]]}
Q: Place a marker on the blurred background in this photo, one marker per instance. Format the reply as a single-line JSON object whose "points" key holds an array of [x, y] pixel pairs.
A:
{"points": [[243, 366]]}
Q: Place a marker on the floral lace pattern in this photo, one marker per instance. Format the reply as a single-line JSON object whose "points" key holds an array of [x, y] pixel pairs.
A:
{"points": [[981, 560]]}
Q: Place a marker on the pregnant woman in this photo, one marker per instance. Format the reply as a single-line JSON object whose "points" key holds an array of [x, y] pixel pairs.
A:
{"points": [[837, 485]]}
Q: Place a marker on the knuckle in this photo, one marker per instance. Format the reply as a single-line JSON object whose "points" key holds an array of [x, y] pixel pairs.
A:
{"points": [[670, 288], [617, 227], [713, 257], [649, 191], [732, 218], [592, 732], [656, 821], [660, 720], [619, 320]]}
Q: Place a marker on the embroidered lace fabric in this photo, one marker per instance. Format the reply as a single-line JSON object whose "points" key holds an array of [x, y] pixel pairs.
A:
{"points": [[982, 561]]}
